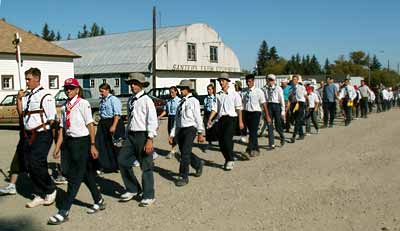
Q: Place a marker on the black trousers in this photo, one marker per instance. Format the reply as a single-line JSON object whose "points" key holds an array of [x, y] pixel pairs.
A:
{"points": [[364, 107], [78, 168], [185, 138], [104, 142], [132, 150], [226, 129], [329, 112], [35, 155], [252, 120], [347, 112], [299, 117], [275, 111], [311, 117], [18, 162]]}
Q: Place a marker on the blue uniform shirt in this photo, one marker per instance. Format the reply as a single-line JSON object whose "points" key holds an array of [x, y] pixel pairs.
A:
{"points": [[171, 106], [209, 102], [286, 92], [109, 107]]}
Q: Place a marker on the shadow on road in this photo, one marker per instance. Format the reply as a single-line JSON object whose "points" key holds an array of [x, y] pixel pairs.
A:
{"points": [[18, 224]]}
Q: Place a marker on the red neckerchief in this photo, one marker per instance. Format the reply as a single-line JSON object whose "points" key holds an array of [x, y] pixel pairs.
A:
{"points": [[68, 108]]}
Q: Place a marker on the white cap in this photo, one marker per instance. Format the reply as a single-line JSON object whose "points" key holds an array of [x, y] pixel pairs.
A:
{"points": [[271, 76]]}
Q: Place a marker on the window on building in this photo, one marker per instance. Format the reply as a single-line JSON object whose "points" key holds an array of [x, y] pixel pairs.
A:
{"points": [[116, 83], [194, 83], [191, 51], [7, 82], [91, 83], [213, 54], [53, 81], [104, 80]]}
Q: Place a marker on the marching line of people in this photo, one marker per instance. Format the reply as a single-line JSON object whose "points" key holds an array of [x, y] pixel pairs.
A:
{"points": [[115, 147]]}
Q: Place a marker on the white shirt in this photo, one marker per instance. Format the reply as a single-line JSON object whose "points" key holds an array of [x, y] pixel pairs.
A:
{"points": [[227, 104], [49, 106], [252, 98], [80, 117], [364, 91], [301, 93], [350, 90], [312, 100], [372, 96], [143, 116], [385, 94], [274, 94], [188, 114]]}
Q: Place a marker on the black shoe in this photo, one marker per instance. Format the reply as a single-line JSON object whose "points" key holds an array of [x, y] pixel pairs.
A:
{"points": [[293, 140], [199, 171], [300, 138], [182, 182], [283, 142]]}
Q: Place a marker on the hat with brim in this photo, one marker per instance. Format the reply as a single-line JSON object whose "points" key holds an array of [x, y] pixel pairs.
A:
{"points": [[186, 84], [137, 78], [271, 77], [71, 82], [224, 76]]}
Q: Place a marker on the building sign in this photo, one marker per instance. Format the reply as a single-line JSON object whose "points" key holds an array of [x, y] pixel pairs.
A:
{"points": [[179, 67]]}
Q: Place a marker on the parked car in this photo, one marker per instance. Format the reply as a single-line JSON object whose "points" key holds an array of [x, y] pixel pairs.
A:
{"points": [[161, 93]]}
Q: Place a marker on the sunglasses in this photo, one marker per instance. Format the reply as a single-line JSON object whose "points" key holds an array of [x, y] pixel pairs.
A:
{"points": [[66, 88]]}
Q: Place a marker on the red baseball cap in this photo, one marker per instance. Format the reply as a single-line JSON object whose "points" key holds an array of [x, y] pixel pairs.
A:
{"points": [[71, 82]]}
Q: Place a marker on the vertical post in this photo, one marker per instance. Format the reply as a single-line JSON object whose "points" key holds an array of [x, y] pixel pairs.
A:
{"points": [[16, 42], [154, 48]]}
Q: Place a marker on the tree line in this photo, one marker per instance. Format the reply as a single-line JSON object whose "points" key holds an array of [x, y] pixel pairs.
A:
{"points": [[358, 63], [50, 35]]}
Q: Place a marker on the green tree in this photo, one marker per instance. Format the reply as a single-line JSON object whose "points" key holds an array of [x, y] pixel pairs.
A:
{"points": [[69, 37], [46, 32], [276, 67], [273, 54], [315, 67], [95, 30], [359, 57], [52, 36], [263, 57], [327, 68], [375, 65], [102, 31], [58, 37]]}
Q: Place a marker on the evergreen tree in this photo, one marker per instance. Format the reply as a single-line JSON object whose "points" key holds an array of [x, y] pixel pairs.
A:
{"points": [[46, 32], [263, 58], [95, 30], [102, 31], [69, 37], [375, 65], [273, 54], [315, 67], [327, 68], [85, 33], [58, 37], [52, 36]]}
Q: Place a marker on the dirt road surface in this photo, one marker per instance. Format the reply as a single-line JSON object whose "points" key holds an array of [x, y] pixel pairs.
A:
{"points": [[345, 178]]}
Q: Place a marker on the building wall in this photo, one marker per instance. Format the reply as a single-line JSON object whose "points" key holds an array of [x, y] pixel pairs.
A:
{"points": [[62, 67]]}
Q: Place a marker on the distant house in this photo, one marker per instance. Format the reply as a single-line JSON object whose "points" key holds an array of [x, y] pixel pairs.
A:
{"points": [[55, 63], [194, 52]]}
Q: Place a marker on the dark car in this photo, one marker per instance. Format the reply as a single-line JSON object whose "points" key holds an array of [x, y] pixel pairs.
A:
{"points": [[161, 93]]}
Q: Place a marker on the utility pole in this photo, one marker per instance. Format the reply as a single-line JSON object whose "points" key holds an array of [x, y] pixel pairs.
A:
{"points": [[154, 48], [16, 42], [388, 65], [369, 70]]}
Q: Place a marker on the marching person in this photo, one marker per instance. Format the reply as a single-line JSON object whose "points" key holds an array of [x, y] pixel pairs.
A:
{"points": [[346, 96], [312, 109], [170, 110], [329, 96], [188, 124], [365, 93], [252, 99], [276, 107], [76, 140], [227, 108], [286, 92], [209, 101], [298, 106], [241, 132], [38, 110], [109, 130], [142, 128]]}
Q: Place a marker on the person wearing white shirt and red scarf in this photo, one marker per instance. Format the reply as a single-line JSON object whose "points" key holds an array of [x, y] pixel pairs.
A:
{"points": [[346, 96], [76, 140], [188, 124], [142, 127], [38, 111], [227, 108]]}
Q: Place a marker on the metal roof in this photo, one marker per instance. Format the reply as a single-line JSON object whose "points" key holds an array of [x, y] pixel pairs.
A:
{"points": [[118, 53]]}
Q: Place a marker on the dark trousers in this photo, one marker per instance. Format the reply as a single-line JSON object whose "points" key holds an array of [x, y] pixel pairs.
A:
{"points": [[185, 138], [252, 120], [171, 122], [370, 106], [379, 104], [299, 117], [78, 168], [364, 107], [347, 113], [35, 155], [104, 142], [311, 117], [132, 150], [356, 108], [329, 112], [275, 112], [18, 162], [226, 128]]}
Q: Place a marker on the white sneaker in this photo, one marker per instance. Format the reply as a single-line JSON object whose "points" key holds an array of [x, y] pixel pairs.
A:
{"points": [[147, 202], [127, 196], [35, 202], [229, 165], [136, 163], [243, 139], [155, 155], [8, 190], [50, 198]]}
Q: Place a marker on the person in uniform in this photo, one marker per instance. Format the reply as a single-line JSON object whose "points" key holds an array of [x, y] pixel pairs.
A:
{"points": [[329, 95], [252, 99], [241, 132], [276, 110], [109, 130], [38, 110], [170, 110], [346, 96], [298, 106], [286, 92], [365, 93], [188, 124], [142, 128], [76, 140], [312, 110], [227, 108]]}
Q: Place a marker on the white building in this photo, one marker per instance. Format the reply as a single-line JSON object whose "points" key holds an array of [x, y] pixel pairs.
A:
{"points": [[193, 52], [56, 63]]}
